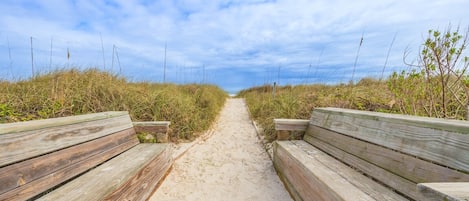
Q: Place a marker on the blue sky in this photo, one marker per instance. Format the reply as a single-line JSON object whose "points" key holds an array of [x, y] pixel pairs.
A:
{"points": [[235, 44]]}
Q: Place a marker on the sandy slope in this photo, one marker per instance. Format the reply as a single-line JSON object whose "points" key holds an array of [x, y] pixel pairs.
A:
{"points": [[230, 165]]}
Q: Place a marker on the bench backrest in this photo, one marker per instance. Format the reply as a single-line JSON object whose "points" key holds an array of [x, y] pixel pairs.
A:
{"points": [[397, 150], [37, 155]]}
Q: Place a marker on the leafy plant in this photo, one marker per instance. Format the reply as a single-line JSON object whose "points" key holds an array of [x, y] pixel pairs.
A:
{"points": [[438, 81]]}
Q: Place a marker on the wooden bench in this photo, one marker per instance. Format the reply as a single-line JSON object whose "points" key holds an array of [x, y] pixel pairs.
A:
{"points": [[84, 157], [359, 155]]}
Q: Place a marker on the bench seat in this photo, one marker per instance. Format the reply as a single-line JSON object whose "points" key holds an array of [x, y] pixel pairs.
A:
{"points": [[117, 178], [85, 157], [323, 177], [399, 157]]}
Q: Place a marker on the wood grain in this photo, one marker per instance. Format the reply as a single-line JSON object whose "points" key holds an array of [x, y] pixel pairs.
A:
{"points": [[444, 191], [108, 177], [142, 185], [445, 142], [291, 124], [408, 167], [23, 173], [15, 147], [394, 181], [53, 122], [317, 176], [67, 171]]}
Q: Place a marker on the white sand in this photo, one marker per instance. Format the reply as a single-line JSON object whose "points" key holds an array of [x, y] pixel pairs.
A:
{"points": [[230, 165]]}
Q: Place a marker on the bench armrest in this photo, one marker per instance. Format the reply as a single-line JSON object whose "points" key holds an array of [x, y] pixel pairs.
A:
{"points": [[290, 129], [444, 191], [158, 129], [291, 124]]}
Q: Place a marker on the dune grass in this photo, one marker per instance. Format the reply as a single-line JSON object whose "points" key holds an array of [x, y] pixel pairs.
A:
{"points": [[191, 108], [297, 102]]}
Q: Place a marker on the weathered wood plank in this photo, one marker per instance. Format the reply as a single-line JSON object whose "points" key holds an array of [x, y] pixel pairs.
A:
{"points": [[143, 184], [291, 124], [408, 167], [392, 180], [53, 122], [317, 176], [157, 129], [152, 123], [444, 191], [16, 147], [152, 126], [289, 186], [108, 177], [121, 142], [306, 185], [442, 141], [23, 173]]}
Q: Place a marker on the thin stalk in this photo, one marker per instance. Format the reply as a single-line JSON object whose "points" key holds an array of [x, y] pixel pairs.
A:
{"points": [[50, 57], [32, 58], [164, 67], [102, 48], [387, 56], [113, 53], [353, 72], [9, 55]]}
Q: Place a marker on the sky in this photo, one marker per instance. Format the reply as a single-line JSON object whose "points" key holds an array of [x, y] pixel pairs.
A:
{"points": [[235, 44]]}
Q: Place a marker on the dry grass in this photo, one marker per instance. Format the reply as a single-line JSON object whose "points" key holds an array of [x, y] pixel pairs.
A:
{"points": [[191, 108], [297, 102]]}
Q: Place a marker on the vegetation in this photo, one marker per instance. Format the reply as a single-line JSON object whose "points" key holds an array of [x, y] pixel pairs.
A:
{"points": [[437, 86], [297, 102], [190, 108]]}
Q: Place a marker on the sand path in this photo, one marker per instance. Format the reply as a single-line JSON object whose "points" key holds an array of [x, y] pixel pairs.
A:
{"points": [[230, 165]]}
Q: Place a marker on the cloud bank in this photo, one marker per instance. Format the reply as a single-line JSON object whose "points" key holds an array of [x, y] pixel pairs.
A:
{"points": [[232, 43]]}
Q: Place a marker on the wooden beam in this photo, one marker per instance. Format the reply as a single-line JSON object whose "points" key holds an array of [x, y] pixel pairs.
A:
{"points": [[152, 123], [291, 124], [444, 191], [152, 127], [441, 141]]}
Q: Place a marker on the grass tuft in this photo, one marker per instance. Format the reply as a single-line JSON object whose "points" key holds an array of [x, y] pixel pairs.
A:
{"points": [[190, 108], [297, 102]]}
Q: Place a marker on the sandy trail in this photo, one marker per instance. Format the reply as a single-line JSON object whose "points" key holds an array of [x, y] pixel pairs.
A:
{"points": [[230, 165]]}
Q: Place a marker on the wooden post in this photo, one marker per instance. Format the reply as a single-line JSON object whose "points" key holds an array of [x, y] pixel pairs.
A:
{"points": [[273, 90]]}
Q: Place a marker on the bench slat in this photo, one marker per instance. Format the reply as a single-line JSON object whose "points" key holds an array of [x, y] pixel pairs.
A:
{"points": [[317, 176], [53, 122], [41, 173], [445, 142], [20, 146], [409, 167], [105, 179], [444, 191], [142, 185], [394, 181]]}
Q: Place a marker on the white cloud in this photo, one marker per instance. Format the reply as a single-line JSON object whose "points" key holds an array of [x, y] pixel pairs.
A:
{"points": [[233, 37]]}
